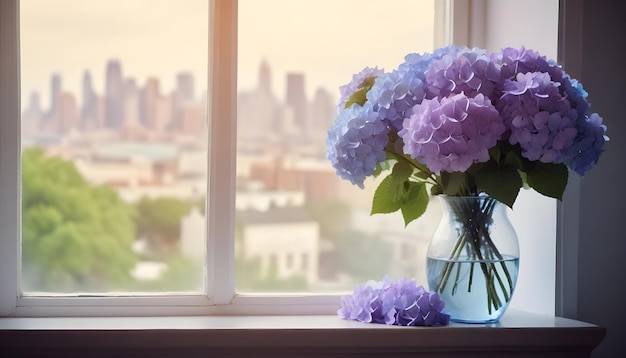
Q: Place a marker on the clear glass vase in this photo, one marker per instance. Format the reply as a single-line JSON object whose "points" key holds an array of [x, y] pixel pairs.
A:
{"points": [[473, 258]]}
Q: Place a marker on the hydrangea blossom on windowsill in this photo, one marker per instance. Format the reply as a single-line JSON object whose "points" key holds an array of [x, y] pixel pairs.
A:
{"points": [[465, 123], [401, 303]]}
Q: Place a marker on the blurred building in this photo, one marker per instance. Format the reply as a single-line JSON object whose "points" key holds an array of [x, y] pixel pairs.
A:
{"points": [[114, 95], [314, 177], [90, 114], [192, 235], [67, 113], [284, 240], [259, 111]]}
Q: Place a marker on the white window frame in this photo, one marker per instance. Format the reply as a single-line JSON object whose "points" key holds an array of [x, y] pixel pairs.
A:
{"points": [[457, 21], [220, 297]]}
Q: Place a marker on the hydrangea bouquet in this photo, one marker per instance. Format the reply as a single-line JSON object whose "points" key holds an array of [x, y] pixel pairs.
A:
{"points": [[464, 122]]}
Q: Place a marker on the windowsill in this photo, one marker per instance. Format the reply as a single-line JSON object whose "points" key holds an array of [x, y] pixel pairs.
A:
{"points": [[518, 334]]}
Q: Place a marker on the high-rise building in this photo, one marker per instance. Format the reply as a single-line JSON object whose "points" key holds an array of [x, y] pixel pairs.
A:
{"points": [[321, 115], [149, 98], [265, 77], [162, 114], [296, 99], [114, 95], [67, 112], [32, 116], [192, 120], [259, 110], [184, 86], [55, 92], [182, 97], [131, 101], [89, 113]]}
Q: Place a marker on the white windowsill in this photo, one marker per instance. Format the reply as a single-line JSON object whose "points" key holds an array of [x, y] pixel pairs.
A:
{"points": [[518, 334]]}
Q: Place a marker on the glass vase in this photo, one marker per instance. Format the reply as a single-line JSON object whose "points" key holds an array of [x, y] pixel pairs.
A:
{"points": [[473, 258]]}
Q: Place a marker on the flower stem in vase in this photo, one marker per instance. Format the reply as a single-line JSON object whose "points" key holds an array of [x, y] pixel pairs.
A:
{"points": [[473, 219]]}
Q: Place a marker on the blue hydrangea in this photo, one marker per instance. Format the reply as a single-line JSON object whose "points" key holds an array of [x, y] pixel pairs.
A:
{"points": [[347, 90], [395, 93], [401, 303], [588, 145], [356, 143]]}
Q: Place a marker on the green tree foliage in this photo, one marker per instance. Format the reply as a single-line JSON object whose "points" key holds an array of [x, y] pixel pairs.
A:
{"points": [[183, 274], [75, 236], [158, 221]]}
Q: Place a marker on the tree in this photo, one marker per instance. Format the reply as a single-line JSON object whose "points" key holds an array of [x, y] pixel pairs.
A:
{"points": [[158, 221], [183, 274], [76, 236]]}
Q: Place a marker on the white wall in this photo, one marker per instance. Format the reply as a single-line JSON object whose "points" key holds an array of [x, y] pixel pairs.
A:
{"points": [[495, 24]]}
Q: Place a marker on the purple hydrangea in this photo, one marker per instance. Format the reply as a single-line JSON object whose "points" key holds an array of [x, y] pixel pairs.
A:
{"points": [[571, 136], [395, 93], [347, 90], [469, 71], [513, 61], [452, 133], [540, 120], [356, 143], [400, 303], [446, 109]]}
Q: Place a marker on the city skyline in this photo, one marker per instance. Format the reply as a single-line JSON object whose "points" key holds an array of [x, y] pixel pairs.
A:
{"points": [[160, 38], [143, 111], [56, 83]]}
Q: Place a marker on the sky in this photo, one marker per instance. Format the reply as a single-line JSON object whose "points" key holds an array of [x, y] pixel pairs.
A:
{"points": [[327, 40]]}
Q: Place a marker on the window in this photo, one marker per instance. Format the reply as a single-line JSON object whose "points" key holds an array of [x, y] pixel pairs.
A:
{"points": [[287, 93], [117, 129], [223, 224]]}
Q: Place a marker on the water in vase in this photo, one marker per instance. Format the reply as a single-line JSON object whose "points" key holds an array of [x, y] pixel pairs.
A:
{"points": [[474, 291]]}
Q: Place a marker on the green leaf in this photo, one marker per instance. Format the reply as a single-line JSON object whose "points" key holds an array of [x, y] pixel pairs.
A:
{"points": [[435, 190], [495, 153], [401, 172], [387, 164], [513, 159], [502, 183], [548, 179], [524, 179], [385, 200], [416, 202], [421, 175], [360, 97], [454, 183]]}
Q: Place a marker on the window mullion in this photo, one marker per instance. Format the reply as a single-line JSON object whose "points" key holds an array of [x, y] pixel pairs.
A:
{"points": [[222, 152], [9, 156]]}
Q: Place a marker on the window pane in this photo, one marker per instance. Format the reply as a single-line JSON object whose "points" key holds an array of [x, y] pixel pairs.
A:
{"points": [[114, 145], [300, 227]]}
